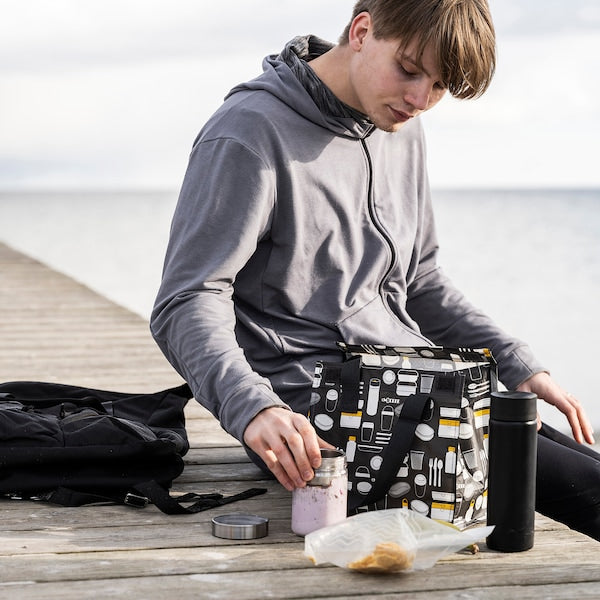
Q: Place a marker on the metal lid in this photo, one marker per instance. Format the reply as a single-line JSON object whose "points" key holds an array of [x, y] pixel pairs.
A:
{"points": [[238, 526], [513, 406], [333, 464]]}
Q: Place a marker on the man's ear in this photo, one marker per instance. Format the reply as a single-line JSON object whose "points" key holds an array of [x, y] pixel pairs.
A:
{"points": [[360, 26]]}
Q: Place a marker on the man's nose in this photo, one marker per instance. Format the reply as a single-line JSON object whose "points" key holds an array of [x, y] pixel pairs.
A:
{"points": [[419, 95]]}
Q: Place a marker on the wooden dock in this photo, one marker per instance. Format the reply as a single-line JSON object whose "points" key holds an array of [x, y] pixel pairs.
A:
{"points": [[54, 329]]}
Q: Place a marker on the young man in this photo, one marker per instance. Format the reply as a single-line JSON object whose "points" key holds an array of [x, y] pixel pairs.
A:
{"points": [[305, 219]]}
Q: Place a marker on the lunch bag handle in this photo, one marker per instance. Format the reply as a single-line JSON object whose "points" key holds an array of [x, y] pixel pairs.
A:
{"points": [[402, 435], [398, 448]]}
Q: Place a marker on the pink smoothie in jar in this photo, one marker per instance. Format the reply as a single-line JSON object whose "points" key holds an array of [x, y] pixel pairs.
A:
{"points": [[324, 500]]}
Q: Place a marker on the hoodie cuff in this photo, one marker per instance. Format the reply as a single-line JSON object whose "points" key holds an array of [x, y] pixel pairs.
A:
{"points": [[242, 406], [518, 366]]}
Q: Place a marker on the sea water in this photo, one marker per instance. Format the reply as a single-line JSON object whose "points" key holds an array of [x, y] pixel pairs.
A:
{"points": [[529, 258]]}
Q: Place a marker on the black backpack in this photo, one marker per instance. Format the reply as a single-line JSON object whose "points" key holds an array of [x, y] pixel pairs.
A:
{"points": [[71, 445]]}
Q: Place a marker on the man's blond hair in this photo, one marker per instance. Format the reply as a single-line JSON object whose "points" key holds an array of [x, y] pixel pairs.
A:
{"points": [[461, 32]]}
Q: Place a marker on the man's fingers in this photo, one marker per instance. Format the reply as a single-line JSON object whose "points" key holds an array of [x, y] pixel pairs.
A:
{"points": [[301, 455], [282, 461], [273, 463], [579, 420], [547, 390], [573, 410], [287, 443], [310, 444], [324, 444]]}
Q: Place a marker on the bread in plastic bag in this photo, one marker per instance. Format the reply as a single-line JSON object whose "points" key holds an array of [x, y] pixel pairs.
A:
{"points": [[388, 541]]}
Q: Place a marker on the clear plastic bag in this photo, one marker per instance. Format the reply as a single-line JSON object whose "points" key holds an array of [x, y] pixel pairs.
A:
{"points": [[388, 541]]}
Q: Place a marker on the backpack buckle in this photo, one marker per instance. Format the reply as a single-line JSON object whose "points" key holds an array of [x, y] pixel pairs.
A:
{"points": [[135, 500]]}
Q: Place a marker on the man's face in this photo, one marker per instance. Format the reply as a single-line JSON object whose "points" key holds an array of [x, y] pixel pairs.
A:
{"points": [[388, 85]]}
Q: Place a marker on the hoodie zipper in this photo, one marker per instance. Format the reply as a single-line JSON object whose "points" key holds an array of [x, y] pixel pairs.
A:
{"points": [[379, 226]]}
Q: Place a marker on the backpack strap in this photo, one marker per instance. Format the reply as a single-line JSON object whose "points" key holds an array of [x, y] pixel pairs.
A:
{"points": [[173, 506], [149, 492]]}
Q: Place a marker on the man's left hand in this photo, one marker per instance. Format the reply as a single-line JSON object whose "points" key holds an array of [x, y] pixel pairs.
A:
{"points": [[548, 390]]}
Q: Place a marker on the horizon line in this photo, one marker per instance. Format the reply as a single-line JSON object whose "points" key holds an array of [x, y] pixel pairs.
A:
{"points": [[170, 189]]}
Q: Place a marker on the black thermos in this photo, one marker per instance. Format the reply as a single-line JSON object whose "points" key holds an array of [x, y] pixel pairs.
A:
{"points": [[512, 470]]}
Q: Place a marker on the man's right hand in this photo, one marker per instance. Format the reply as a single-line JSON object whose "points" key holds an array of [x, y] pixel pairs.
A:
{"points": [[287, 443]]}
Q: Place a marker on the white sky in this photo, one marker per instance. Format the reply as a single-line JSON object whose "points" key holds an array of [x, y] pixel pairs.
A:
{"points": [[111, 93]]}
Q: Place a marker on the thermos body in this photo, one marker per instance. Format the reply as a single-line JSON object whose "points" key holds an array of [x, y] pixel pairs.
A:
{"points": [[512, 471]]}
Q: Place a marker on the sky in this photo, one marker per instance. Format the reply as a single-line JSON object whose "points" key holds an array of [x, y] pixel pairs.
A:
{"points": [[111, 93]]}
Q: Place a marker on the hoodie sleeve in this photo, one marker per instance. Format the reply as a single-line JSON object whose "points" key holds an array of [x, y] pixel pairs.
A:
{"points": [[224, 209]]}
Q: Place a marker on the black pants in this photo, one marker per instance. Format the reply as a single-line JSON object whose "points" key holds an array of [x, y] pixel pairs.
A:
{"points": [[568, 482]]}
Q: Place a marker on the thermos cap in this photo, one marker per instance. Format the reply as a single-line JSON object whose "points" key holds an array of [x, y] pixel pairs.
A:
{"points": [[514, 406]]}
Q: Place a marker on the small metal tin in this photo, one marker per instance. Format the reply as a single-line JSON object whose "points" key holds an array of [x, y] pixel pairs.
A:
{"points": [[238, 526]]}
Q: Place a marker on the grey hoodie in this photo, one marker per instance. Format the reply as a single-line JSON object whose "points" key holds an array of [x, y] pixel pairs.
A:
{"points": [[294, 230]]}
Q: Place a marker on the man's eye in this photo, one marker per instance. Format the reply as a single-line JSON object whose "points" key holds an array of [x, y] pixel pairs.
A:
{"points": [[407, 72]]}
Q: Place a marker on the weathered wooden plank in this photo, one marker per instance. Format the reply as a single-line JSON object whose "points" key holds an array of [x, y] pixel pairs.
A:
{"points": [[157, 531], [223, 472], [224, 556], [319, 583], [141, 563], [180, 533], [32, 516], [233, 559], [216, 455], [282, 572], [41, 520], [210, 437], [60, 330]]}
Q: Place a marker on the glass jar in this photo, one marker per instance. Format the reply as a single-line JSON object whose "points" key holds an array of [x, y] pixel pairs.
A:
{"points": [[324, 500]]}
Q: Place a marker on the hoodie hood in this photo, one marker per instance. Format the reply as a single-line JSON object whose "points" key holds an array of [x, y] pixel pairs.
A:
{"points": [[290, 79]]}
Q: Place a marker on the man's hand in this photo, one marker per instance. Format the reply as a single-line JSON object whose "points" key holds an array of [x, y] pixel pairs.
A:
{"points": [[287, 443], [548, 390]]}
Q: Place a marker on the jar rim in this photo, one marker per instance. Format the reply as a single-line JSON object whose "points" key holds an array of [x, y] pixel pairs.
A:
{"points": [[333, 462], [329, 453]]}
